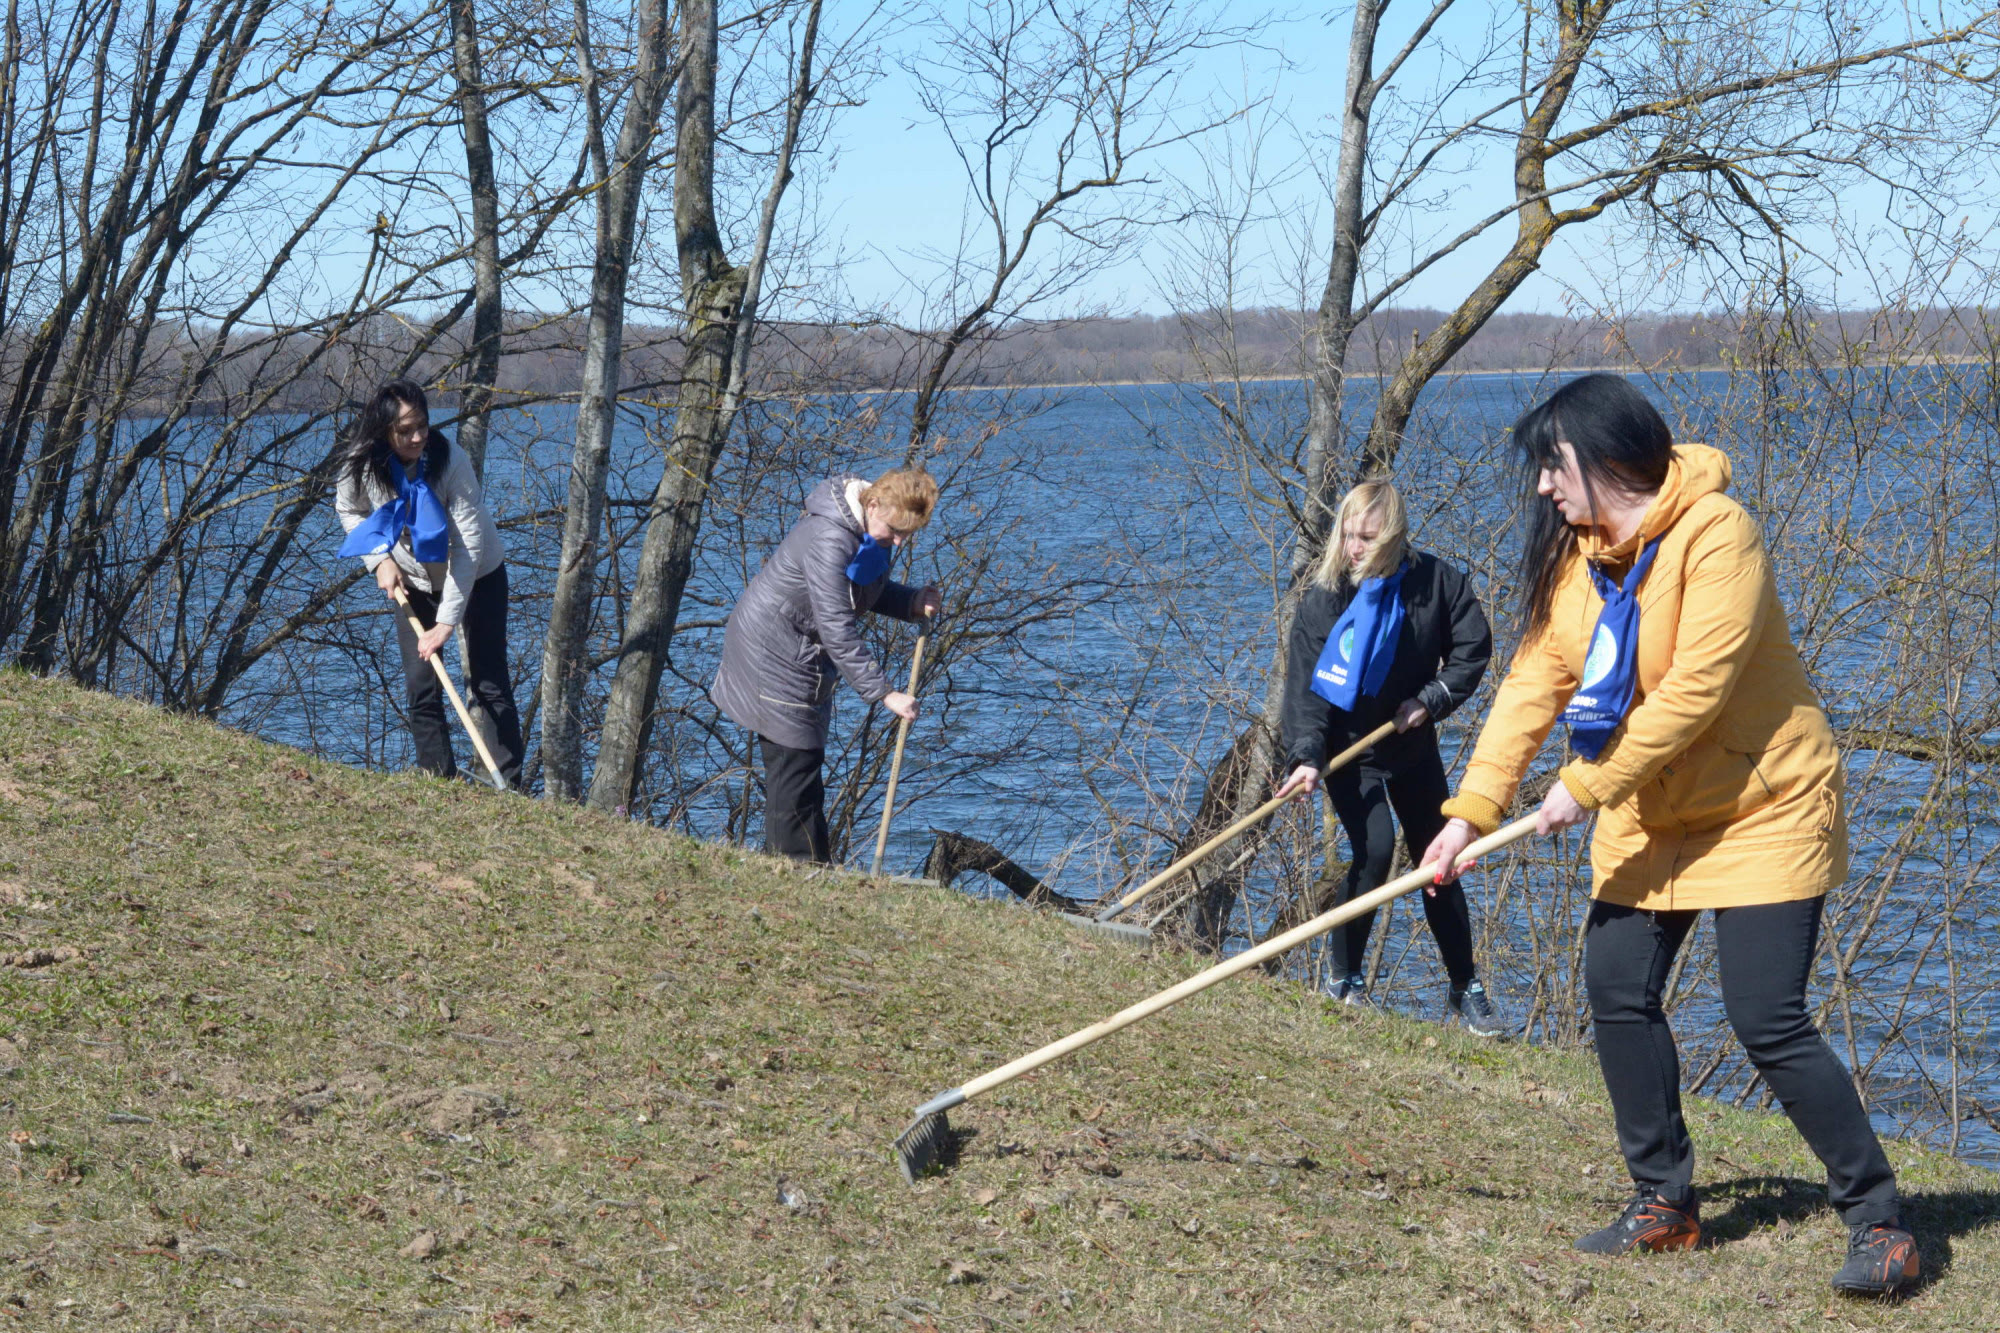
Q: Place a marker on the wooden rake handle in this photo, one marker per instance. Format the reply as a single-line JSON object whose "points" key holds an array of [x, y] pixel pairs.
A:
{"points": [[1242, 962], [896, 764], [444, 679], [1249, 821]]}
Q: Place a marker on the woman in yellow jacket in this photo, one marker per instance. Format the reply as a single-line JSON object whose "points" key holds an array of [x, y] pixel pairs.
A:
{"points": [[1651, 625]]}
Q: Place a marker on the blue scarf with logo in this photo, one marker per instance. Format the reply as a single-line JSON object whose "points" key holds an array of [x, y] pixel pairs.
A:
{"points": [[1611, 670], [1362, 646], [415, 507], [870, 562]]}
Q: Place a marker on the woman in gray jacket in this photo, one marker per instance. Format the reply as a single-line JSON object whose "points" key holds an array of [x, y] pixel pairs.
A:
{"points": [[414, 513], [796, 630]]}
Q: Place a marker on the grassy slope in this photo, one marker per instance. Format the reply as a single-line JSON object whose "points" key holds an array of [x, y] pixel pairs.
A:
{"points": [[288, 961]]}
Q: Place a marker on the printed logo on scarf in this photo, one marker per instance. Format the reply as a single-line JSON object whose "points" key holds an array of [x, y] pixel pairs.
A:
{"points": [[1603, 657]]}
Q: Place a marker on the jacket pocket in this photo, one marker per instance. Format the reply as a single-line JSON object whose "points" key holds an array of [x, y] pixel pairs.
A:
{"points": [[1712, 784], [1748, 732]]}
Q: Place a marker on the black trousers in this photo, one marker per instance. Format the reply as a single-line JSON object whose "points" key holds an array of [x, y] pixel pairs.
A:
{"points": [[1765, 954], [1363, 797], [484, 634], [795, 803]]}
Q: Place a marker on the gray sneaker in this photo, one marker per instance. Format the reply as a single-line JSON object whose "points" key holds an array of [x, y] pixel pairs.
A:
{"points": [[1476, 1009]]}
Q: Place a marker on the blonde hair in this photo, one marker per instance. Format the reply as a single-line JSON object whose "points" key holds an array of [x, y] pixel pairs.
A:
{"points": [[1385, 553], [905, 496]]}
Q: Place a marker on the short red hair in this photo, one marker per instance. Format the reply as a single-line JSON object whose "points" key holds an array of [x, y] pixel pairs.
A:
{"points": [[905, 496]]}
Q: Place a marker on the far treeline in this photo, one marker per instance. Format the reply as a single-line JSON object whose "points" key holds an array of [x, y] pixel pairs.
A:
{"points": [[544, 358], [1281, 343]]}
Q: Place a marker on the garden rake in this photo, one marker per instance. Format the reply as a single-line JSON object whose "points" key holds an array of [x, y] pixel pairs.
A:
{"points": [[444, 679], [922, 1145], [1249, 821], [896, 764]]}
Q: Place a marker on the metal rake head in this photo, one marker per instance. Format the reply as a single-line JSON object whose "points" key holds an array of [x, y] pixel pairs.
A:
{"points": [[921, 1148]]}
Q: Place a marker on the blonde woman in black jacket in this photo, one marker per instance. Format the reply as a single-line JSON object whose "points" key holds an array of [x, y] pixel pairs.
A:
{"points": [[1386, 632]]}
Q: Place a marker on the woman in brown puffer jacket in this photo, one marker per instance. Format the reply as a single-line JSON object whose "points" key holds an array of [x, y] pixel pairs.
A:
{"points": [[796, 631], [1652, 625]]}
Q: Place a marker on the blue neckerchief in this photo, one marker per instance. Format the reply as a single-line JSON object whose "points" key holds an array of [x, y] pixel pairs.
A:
{"points": [[415, 507], [870, 562], [1362, 646], [1611, 670]]}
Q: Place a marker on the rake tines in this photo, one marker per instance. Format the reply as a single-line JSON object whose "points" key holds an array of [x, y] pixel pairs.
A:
{"points": [[922, 1145]]}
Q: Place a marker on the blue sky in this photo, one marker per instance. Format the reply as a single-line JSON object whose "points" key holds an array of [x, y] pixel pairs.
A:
{"points": [[897, 191]]}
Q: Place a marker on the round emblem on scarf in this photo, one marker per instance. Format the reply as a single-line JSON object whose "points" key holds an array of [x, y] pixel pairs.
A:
{"points": [[1603, 656], [1347, 643]]}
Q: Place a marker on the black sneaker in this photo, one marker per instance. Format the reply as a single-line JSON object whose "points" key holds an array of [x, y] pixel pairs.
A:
{"points": [[1353, 990], [1649, 1222], [1881, 1258], [1473, 1006]]}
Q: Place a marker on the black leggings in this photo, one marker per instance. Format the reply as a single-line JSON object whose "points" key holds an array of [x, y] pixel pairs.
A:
{"points": [[1363, 797], [488, 685], [1765, 954], [795, 803]]}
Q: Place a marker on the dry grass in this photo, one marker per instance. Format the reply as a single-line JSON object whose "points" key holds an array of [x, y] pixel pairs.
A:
{"points": [[350, 1051]]}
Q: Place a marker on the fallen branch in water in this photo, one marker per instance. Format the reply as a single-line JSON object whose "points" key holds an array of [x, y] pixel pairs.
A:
{"points": [[952, 854]]}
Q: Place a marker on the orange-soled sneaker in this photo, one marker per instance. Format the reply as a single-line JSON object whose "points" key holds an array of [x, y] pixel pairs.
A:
{"points": [[1881, 1258], [1649, 1222]]}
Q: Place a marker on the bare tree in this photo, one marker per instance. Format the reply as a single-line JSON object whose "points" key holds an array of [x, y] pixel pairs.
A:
{"points": [[620, 177], [1725, 124], [1335, 319], [483, 371], [202, 272], [213, 114], [1053, 114], [721, 301]]}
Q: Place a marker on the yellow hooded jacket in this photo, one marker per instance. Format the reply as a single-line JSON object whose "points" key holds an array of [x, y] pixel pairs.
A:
{"points": [[1723, 787]]}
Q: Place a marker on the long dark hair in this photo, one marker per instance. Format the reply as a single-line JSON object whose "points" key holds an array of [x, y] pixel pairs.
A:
{"points": [[367, 453], [1621, 443]]}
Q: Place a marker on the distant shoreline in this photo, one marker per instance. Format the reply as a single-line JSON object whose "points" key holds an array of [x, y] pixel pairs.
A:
{"points": [[522, 399], [1912, 364]]}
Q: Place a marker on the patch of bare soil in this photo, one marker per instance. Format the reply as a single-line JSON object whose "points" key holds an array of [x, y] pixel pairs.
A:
{"points": [[446, 1111]]}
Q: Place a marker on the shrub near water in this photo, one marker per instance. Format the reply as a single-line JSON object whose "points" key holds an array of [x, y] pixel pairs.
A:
{"points": [[294, 1046]]}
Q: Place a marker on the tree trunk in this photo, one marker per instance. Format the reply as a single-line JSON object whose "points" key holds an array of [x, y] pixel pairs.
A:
{"points": [[1333, 324], [54, 481], [565, 656], [666, 557], [1536, 225], [722, 304], [1242, 780], [1399, 397], [1229, 795], [476, 402], [710, 289]]}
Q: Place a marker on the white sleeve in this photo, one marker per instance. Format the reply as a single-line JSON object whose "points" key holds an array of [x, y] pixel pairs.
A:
{"points": [[459, 489], [349, 498]]}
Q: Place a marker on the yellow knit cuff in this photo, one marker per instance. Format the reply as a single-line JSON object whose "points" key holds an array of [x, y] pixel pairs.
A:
{"points": [[1479, 811], [1584, 796]]}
